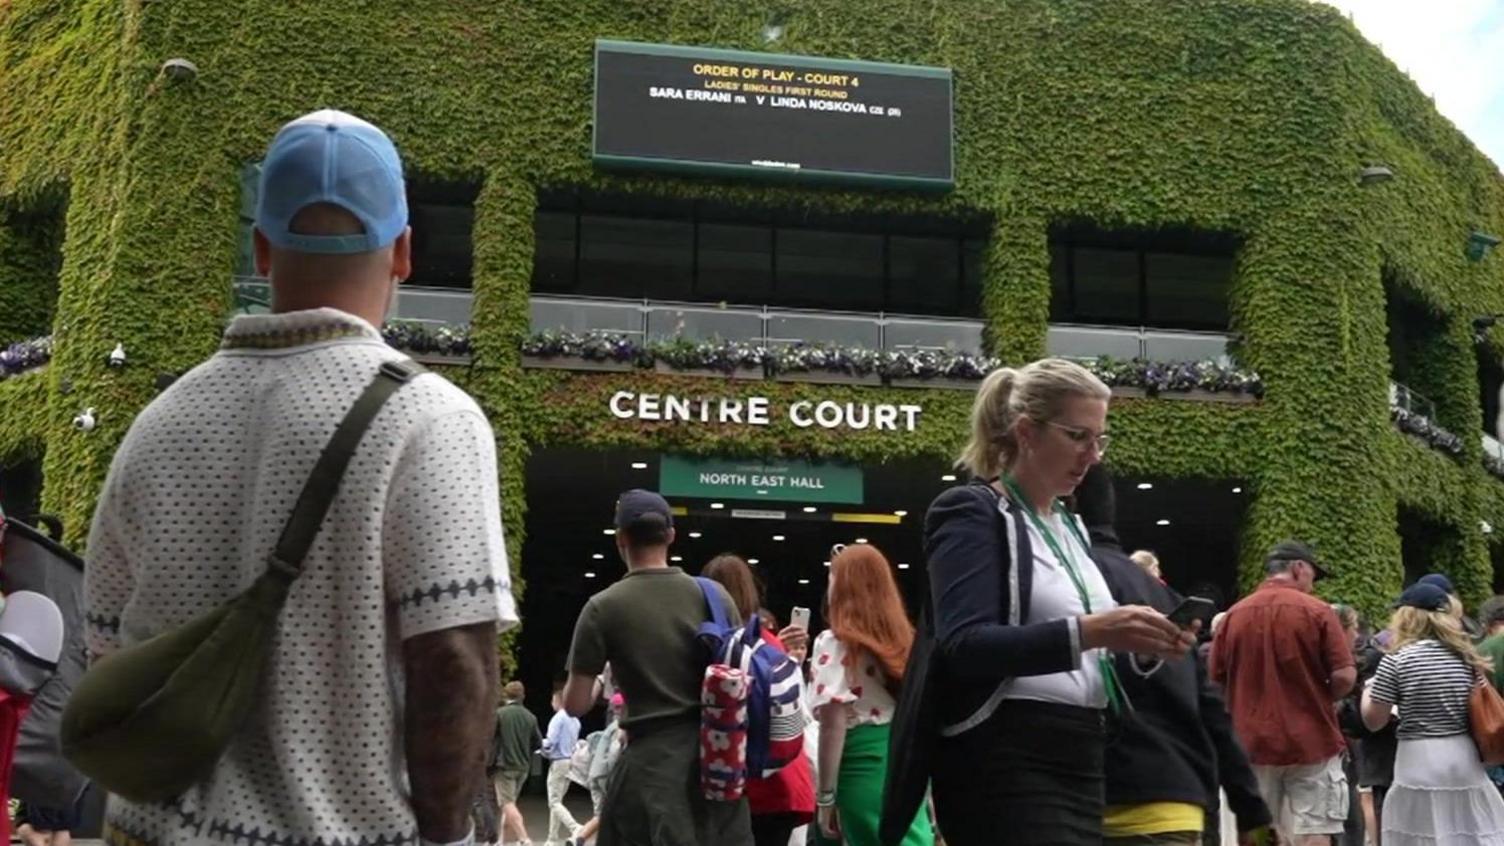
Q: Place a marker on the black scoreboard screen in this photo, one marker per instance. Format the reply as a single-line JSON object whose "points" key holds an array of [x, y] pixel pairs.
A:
{"points": [[699, 110]]}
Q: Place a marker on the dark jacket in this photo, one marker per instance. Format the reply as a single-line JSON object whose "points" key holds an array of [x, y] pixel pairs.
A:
{"points": [[980, 599], [1179, 745]]}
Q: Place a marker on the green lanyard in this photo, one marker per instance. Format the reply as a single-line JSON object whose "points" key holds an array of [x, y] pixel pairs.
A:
{"points": [[1110, 681]]}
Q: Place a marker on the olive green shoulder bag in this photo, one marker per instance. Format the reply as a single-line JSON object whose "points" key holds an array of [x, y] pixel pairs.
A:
{"points": [[151, 720]]}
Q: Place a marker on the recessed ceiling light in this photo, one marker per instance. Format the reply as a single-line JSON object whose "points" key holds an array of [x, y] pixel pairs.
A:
{"points": [[598, 557], [1146, 486], [1162, 522], [861, 540], [639, 465], [589, 575], [676, 558], [753, 561], [1237, 490], [696, 534], [948, 477], [903, 566], [804, 581], [608, 531], [810, 509], [900, 514], [827, 563], [717, 505], [778, 537]]}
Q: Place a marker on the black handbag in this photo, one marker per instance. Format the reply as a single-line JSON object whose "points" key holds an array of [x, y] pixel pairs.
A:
{"points": [[915, 734]]}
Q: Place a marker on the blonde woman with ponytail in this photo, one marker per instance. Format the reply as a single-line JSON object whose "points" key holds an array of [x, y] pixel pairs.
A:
{"points": [[1024, 622], [1441, 794]]}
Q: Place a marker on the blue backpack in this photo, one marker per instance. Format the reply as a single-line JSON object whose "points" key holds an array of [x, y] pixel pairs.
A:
{"points": [[775, 711]]}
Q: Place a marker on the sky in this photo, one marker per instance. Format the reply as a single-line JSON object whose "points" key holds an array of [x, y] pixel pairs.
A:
{"points": [[1453, 49]]}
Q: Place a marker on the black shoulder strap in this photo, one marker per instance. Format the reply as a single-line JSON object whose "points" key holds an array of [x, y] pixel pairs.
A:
{"points": [[323, 483]]}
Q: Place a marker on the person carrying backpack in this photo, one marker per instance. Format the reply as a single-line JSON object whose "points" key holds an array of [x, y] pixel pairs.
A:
{"points": [[647, 625]]}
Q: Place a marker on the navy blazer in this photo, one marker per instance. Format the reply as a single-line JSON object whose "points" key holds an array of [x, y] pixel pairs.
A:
{"points": [[974, 539]]}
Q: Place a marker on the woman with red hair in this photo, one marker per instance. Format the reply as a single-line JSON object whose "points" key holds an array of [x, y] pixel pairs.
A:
{"points": [[857, 671]]}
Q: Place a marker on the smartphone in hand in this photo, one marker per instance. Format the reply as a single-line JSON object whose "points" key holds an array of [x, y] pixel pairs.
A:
{"points": [[799, 618], [1191, 609]]}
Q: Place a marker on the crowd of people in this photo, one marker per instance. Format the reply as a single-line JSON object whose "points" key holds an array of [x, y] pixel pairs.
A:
{"points": [[1054, 691]]}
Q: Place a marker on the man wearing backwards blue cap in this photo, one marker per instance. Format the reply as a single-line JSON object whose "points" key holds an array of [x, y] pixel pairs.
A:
{"points": [[374, 714]]}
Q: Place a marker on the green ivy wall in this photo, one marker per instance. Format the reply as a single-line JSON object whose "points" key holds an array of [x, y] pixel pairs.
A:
{"points": [[1248, 116]]}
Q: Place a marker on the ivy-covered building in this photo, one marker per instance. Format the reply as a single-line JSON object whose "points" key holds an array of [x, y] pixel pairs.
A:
{"points": [[1243, 194]]}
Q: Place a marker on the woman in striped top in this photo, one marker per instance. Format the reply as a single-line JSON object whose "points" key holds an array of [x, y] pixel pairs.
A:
{"points": [[1441, 795]]}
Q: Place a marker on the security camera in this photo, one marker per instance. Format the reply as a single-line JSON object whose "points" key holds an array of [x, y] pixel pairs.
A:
{"points": [[85, 421], [117, 356]]}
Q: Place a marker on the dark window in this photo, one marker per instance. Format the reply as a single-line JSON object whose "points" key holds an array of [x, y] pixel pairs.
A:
{"points": [[555, 252], [840, 270], [735, 263], [1106, 285], [636, 257], [615, 246], [1175, 280], [1187, 290], [924, 275], [1417, 340], [973, 270], [442, 215]]}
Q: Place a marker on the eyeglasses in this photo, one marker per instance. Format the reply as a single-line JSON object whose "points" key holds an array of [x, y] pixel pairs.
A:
{"points": [[1084, 439]]}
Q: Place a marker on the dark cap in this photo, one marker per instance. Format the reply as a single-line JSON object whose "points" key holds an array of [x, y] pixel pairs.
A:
{"points": [[1294, 550], [638, 506], [1438, 580], [1426, 596]]}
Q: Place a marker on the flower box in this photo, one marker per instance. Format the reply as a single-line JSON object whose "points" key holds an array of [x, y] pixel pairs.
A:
{"points": [[572, 362], [743, 372], [441, 360], [829, 377], [1199, 395], [944, 383]]}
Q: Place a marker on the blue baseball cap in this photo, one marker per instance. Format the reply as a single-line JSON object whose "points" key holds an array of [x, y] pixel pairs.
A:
{"points": [[1438, 580], [332, 157], [1426, 596], [640, 506]]}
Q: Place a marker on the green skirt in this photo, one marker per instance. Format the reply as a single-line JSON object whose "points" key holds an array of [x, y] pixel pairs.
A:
{"points": [[859, 791]]}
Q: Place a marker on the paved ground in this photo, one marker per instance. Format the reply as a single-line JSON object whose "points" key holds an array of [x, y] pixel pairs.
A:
{"points": [[534, 807]]}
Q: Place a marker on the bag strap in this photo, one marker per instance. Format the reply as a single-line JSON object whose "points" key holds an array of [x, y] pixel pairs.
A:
{"points": [[323, 483], [718, 614]]}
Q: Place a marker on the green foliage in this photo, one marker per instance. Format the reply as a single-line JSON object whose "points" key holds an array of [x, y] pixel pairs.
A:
{"points": [[1243, 116]]}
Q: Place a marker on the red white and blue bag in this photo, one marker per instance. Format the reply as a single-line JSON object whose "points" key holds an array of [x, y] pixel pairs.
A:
{"points": [[776, 716]]}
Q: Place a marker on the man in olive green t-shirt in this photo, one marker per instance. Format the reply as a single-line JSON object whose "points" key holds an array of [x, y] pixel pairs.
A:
{"points": [[517, 737], [645, 627]]}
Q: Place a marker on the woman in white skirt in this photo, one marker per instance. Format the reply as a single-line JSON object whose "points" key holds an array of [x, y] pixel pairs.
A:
{"points": [[1441, 795]]}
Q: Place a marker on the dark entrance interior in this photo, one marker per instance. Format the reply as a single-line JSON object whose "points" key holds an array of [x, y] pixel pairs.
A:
{"points": [[569, 554], [1421, 539], [1194, 526]]}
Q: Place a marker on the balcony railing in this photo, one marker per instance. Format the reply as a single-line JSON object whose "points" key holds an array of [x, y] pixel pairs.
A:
{"points": [[751, 324], [1082, 341], [770, 326], [1403, 398], [1492, 447]]}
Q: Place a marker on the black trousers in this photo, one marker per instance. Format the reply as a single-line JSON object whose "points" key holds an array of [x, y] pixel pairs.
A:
{"points": [[773, 829], [1032, 775]]}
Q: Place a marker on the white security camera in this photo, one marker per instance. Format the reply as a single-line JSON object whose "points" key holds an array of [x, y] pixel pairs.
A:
{"points": [[117, 357], [85, 421]]}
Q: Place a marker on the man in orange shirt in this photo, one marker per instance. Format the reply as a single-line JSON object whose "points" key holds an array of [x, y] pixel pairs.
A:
{"points": [[1282, 658]]}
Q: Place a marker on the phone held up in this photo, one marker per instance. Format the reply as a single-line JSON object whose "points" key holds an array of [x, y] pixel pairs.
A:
{"points": [[1191, 609]]}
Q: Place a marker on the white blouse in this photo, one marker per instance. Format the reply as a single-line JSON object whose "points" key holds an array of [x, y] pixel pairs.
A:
{"points": [[858, 687], [1053, 596]]}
